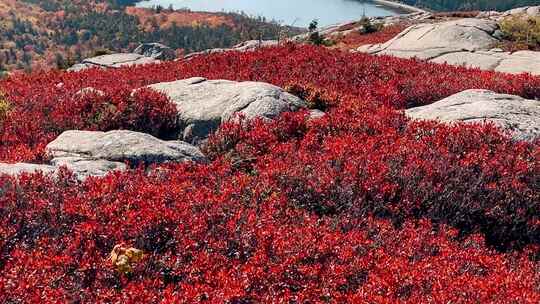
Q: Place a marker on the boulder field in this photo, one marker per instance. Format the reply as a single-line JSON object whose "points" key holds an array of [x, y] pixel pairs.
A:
{"points": [[470, 42], [467, 42], [202, 106]]}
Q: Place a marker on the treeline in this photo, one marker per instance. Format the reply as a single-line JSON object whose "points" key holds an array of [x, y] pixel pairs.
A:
{"points": [[73, 30], [116, 30], [468, 5], [55, 5]]}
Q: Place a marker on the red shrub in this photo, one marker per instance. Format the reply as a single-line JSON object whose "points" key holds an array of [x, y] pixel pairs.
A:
{"points": [[44, 103], [213, 235], [355, 39], [359, 206]]}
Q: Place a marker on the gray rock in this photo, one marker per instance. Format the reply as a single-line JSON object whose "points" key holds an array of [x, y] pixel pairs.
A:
{"points": [[530, 11], [481, 60], [428, 41], [23, 168], [88, 153], [495, 60], [155, 50], [526, 11], [204, 104], [83, 167], [464, 42], [254, 44], [520, 62], [113, 61], [80, 167], [519, 116], [121, 146]]}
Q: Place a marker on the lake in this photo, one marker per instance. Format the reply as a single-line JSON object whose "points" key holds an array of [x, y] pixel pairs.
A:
{"points": [[288, 12]]}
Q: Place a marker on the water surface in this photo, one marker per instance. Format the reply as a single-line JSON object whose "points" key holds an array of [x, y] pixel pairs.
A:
{"points": [[289, 12]]}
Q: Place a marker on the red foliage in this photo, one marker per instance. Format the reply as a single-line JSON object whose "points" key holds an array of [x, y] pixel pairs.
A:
{"points": [[361, 206], [44, 103], [355, 39]]}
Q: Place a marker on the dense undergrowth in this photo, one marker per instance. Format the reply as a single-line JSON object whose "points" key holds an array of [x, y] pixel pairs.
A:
{"points": [[361, 206]]}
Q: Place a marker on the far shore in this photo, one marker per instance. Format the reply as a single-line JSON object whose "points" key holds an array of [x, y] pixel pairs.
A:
{"points": [[405, 7]]}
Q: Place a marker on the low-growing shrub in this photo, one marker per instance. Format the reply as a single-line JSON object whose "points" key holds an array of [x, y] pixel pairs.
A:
{"points": [[235, 236], [368, 27], [355, 39], [522, 32], [361, 205]]}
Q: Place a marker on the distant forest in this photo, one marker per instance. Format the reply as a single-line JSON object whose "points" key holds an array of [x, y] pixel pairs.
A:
{"points": [[58, 33], [467, 5]]}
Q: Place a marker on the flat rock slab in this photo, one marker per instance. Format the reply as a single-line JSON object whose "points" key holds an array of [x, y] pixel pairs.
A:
{"points": [[428, 41], [518, 115], [113, 61], [526, 11], [121, 146], [204, 104], [464, 42], [24, 168], [83, 168]]}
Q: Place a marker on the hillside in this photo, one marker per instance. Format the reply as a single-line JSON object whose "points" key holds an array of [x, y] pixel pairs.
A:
{"points": [[385, 160], [360, 205], [48, 34]]}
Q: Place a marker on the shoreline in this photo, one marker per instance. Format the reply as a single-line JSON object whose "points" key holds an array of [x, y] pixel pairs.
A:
{"points": [[405, 7]]}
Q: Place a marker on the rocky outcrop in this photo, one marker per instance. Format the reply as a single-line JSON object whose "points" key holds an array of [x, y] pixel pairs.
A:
{"points": [[121, 146], [91, 153], [464, 42], [245, 46], [204, 104], [429, 41], [22, 168], [81, 168], [113, 61], [156, 51], [526, 11], [495, 60], [84, 167], [519, 116], [145, 53]]}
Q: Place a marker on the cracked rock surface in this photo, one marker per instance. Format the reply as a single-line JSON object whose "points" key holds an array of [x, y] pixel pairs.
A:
{"points": [[465, 42], [519, 116], [204, 104]]}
